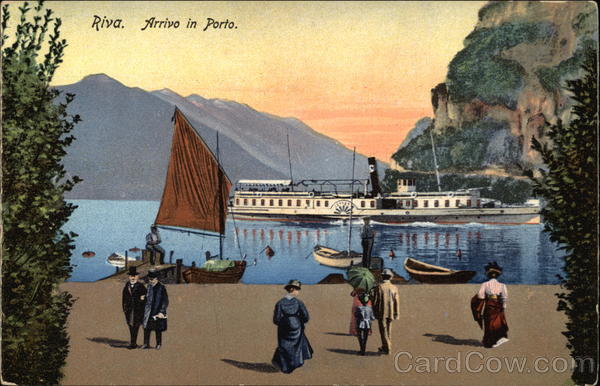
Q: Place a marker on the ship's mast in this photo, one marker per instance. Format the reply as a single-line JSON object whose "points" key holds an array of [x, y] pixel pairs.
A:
{"points": [[290, 159], [437, 174], [220, 200], [351, 196]]}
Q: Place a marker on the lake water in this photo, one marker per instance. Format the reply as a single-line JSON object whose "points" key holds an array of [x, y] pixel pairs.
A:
{"points": [[524, 251]]}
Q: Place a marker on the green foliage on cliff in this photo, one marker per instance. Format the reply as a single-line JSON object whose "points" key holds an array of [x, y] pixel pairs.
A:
{"points": [[551, 77], [570, 189], [35, 251], [491, 8], [505, 189], [461, 150], [587, 21], [479, 71]]}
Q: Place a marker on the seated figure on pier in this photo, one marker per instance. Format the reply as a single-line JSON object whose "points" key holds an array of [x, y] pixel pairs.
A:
{"points": [[152, 244]]}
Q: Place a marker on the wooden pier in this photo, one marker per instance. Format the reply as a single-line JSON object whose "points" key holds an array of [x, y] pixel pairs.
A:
{"points": [[167, 273]]}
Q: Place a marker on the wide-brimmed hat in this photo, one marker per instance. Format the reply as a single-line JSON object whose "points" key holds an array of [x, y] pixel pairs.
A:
{"points": [[493, 267], [152, 274], [133, 271], [294, 284], [387, 272]]}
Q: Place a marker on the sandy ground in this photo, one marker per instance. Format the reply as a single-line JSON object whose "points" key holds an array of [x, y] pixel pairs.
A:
{"points": [[223, 334]]}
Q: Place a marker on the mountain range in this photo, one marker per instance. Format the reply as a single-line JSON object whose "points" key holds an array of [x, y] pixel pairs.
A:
{"points": [[123, 142]]}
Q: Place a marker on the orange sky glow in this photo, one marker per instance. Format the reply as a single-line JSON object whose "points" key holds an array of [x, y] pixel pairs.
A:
{"points": [[360, 72]]}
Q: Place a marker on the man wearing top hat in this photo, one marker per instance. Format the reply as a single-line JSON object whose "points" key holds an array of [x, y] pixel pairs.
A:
{"points": [[134, 294], [290, 316], [386, 306], [155, 312]]}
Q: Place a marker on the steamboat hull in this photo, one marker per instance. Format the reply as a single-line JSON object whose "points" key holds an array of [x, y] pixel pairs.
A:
{"points": [[501, 216]]}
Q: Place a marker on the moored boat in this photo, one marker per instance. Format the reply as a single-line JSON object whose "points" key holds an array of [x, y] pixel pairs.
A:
{"points": [[334, 258], [118, 260], [433, 274], [229, 275]]}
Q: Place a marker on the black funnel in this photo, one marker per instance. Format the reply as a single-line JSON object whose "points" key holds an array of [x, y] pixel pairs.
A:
{"points": [[376, 190]]}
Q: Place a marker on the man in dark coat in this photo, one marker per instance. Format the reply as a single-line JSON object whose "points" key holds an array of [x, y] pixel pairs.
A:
{"points": [[134, 294], [290, 315], [367, 236], [155, 312]]}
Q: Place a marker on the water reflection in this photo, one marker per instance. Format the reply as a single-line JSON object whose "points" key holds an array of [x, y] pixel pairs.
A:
{"points": [[525, 252]]}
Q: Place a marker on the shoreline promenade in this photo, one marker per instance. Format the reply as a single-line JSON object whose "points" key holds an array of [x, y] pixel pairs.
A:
{"points": [[223, 334]]}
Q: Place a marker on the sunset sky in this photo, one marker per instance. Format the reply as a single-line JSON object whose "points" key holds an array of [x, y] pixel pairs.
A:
{"points": [[358, 72]]}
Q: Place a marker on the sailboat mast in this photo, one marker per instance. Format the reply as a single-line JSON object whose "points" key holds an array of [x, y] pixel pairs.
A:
{"points": [[290, 158], [437, 174], [351, 196], [220, 200]]}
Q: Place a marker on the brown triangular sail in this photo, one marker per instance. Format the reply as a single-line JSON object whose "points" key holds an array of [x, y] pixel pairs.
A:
{"points": [[194, 183]]}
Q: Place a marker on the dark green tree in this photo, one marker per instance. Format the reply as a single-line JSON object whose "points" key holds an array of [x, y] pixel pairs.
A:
{"points": [[569, 186], [35, 251]]}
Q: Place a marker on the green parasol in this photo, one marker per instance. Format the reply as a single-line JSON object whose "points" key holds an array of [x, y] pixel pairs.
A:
{"points": [[360, 277]]}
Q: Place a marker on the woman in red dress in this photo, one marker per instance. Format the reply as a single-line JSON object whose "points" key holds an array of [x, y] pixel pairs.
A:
{"points": [[488, 307], [355, 304]]}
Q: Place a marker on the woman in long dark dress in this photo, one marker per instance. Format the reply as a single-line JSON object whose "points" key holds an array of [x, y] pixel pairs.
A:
{"points": [[290, 316]]}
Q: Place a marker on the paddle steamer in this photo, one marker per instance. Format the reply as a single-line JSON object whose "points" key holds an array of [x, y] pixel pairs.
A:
{"points": [[330, 200]]}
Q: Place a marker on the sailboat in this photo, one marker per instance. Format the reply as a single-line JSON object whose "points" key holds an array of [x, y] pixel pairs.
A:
{"points": [[195, 200]]}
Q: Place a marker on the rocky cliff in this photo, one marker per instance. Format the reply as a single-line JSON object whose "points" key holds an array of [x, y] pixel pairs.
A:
{"points": [[504, 86]]}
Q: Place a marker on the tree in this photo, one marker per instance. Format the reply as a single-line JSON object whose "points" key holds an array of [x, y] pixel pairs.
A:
{"points": [[35, 251], [569, 187]]}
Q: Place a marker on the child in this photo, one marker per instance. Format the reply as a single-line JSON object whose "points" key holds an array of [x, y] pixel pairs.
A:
{"points": [[364, 315]]}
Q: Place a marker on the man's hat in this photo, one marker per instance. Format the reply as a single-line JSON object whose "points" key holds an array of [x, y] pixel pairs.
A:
{"points": [[387, 272], [294, 284], [493, 267], [153, 274], [133, 271]]}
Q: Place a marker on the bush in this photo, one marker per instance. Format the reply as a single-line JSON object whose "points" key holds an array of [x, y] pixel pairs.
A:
{"points": [[570, 189], [35, 251]]}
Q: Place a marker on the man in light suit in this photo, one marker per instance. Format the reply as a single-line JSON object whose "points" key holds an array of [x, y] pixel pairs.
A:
{"points": [[386, 306]]}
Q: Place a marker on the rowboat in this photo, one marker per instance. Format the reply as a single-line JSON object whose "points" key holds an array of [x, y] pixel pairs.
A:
{"points": [[118, 260], [229, 275], [433, 274], [334, 258]]}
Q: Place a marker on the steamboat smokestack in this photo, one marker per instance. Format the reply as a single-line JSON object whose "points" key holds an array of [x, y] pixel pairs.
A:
{"points": [[376, 191]]}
